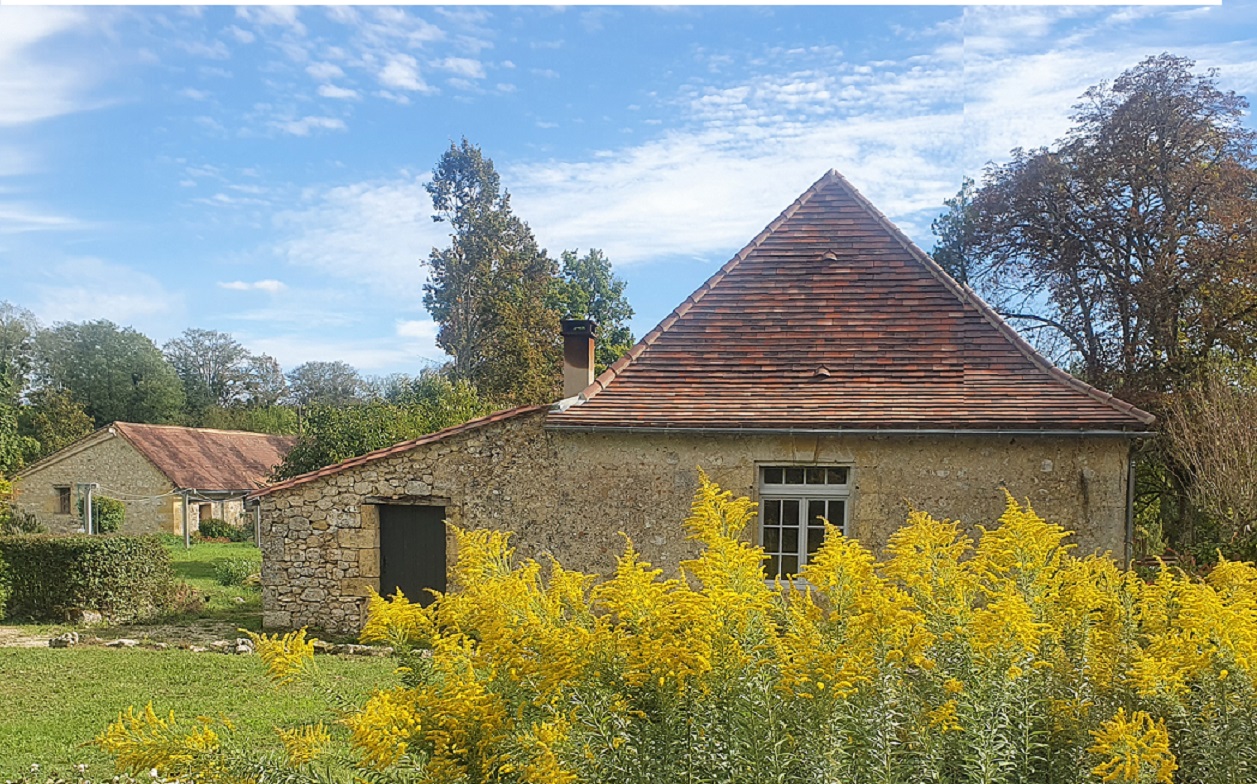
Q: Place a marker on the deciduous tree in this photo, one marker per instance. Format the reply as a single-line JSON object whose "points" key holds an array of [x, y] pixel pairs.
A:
{"points": [[115, 372], [212, 365], [325, 383], [18, 327], [1133, 237], [589, 288], [52, 419]]}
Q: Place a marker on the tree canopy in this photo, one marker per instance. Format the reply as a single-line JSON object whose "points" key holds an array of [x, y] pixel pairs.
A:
{"points": [[325, 383], [1131, 239], [490, 290], [115, 372], [589, 288]]}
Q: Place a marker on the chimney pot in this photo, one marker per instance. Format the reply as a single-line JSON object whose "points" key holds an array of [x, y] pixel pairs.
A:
{"points": [[578, 355]]}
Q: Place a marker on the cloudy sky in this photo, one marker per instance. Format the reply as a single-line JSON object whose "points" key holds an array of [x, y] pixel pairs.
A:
{"points": [[260, 170]]}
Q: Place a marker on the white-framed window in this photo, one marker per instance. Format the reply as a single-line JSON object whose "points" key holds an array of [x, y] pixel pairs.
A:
{"points": [[794, 503]]}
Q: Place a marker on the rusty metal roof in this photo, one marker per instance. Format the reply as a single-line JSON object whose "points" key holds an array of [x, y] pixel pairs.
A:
{"points": [[207, 459], [831, 319]]}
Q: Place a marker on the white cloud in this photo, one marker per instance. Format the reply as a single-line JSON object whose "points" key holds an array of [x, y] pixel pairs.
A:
{"points": [[370, 234], [35, 87], [366, 354], [194, 94], [340, 93], [305, 125], [462, 66], [270, 286], [90, 288], [242, 36], [402, 72], [421, 329], [17, 218], [324, 71], [213, 50]]}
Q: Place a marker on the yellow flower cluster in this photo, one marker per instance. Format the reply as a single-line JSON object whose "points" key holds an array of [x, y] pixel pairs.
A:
{"points": [[1002, 659], [143, 741], [1133, 750], [287, 656]]}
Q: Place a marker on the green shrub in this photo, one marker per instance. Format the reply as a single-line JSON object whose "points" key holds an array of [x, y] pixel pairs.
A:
{"points": [[123, 577], [17, 521], [215, 528], [234, 571], [107, 514]]}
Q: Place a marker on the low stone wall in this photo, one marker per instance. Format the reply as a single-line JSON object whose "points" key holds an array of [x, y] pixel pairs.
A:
{"points": [[570, 494]]}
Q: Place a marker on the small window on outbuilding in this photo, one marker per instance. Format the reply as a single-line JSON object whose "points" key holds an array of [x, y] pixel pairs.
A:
{"points": [[63, 500], [794, 504], [205, 512]]}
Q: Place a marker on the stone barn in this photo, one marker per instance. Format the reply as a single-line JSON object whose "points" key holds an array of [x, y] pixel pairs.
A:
{"points": [[829, 370], [154, 470]]}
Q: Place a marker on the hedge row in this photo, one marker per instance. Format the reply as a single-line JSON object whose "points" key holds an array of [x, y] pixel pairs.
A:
{"points": [[122, 577]]}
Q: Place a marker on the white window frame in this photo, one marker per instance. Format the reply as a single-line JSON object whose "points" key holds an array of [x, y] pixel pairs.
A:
{"points": [[802, 493]]}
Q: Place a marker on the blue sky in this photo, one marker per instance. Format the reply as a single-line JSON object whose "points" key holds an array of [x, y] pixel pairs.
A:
{"points": [[260, 170]]}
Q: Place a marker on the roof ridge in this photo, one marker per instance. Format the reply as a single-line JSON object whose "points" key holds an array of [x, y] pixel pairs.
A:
{"points": [[128, 425], [398, 448], [607, 376], [970, 297]]}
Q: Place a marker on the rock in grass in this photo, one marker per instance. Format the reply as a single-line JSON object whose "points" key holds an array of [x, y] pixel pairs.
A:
{"points": [[67, 640], [122, 642]]}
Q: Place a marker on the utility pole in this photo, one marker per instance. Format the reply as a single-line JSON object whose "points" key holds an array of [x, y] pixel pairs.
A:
{"points": [[187, 533], [85, 492]]}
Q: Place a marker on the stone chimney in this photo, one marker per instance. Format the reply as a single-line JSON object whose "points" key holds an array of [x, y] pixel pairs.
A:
{"points": [[578, 355]]}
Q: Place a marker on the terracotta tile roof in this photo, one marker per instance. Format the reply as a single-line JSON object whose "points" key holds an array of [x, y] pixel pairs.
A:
{"points": [[396, 449], [205, 459], [832, 319]]}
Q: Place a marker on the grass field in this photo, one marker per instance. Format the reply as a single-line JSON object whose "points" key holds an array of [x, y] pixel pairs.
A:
{"points": [[52, 701], [56, 700]]}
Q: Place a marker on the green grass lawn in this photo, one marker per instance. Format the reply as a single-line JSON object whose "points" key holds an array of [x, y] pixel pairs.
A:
{"points": [[56, 700], [238, 604]]}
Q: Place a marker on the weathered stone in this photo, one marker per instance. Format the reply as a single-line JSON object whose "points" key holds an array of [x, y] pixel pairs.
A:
{"points": [[122, 642], [67, 640], [356, 538], [243, 646], [222, 646], [367, 650]]}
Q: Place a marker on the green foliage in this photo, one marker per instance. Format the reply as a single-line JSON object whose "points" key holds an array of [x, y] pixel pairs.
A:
{"points": [[954, 229], [490, 290], [122, 577], [115, 372], [18, 328], [107, 514], [234, 571], [14, 447], [53, 420], [215, 528], [210, 364], [276, 420], [588, 288], [1129, 239], [332, 434], [325, 384]]}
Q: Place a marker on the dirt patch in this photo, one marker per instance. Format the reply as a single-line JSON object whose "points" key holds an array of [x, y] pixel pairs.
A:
{"points": [[17, 637]]}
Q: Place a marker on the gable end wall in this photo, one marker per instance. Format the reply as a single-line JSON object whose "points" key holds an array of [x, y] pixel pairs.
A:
{"points": [[121, 471]]}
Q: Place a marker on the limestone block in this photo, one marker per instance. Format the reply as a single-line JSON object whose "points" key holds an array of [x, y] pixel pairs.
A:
{"points": [[277, 619], [358, 586], [357, 539], [369, 563], [313, 595]]}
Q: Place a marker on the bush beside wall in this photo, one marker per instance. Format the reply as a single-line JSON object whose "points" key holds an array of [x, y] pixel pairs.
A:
{"points": [[122, 577]]}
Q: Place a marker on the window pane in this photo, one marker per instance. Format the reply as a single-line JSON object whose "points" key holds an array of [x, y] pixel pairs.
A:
{"points": [[837, 512], [815, 476], [772, 476], [815, 538], [789, 564], [794, 476], [772, 540], [772, 567], [772, 513], [789, 540], [815, 510], [838, 476], [790, 513]]}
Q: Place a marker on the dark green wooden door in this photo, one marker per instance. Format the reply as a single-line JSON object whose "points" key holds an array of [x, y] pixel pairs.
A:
{"points": [[412, 551]]}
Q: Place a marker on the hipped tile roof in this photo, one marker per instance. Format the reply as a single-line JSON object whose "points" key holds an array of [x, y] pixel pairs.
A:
{"points": [[196, 458], [831, 319]]}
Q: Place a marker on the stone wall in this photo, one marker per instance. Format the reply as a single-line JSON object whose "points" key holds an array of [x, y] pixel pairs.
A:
{"points": [[571, 493], [108, 460]]}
